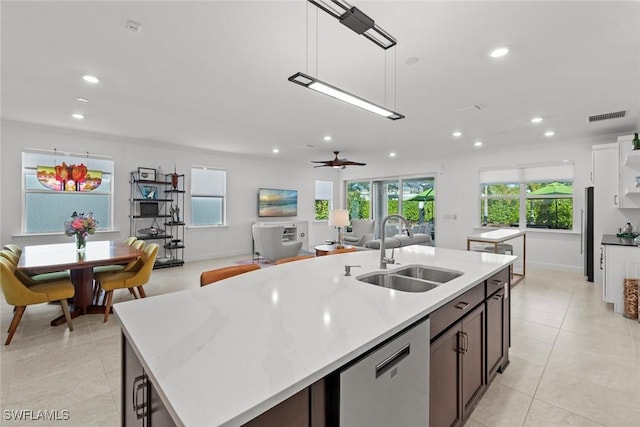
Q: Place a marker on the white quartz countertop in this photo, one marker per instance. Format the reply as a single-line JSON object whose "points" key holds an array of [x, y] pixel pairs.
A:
{"points": [[227, 352], [496, 236]]}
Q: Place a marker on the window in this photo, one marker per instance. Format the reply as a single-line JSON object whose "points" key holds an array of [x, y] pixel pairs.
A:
{"points": [[358, 199], [500, 204], [48, 206], [418, 199], [324, 195], [532, 197], [550, 205], [208, 192]]}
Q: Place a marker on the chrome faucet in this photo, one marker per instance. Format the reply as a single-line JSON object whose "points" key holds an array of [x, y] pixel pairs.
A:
{"points": [[383, 256]]}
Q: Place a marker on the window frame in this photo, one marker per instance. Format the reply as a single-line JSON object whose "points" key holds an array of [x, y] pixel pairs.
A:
{"points": [[194, 185], [318, 197], [29, 168]]}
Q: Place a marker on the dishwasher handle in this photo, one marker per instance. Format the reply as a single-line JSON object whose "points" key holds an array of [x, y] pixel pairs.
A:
{"points": [[392, 360]]}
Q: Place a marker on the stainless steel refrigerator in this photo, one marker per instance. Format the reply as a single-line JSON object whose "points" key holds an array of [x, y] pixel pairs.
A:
{"points": [[587, 243]]}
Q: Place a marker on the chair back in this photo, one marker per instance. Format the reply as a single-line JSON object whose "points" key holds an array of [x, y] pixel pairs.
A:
{"points": [[7, 254], [292, 258], [130, 240], [362, 226], [14, 248], [142, 275], [138, 244], [15, 292], [211, 276], [341, 251]]}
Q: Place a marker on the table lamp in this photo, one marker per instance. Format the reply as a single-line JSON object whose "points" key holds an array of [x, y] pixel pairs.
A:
{"points": [[339, 218]]}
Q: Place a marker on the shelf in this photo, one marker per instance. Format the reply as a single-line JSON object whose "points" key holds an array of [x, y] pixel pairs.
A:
{"points": [[632, 159], [632, 191], [173, 224], [146, 181], [174, 191], [156, 237], [151, 216], [151, 200], [172, 246], [167, 264]]}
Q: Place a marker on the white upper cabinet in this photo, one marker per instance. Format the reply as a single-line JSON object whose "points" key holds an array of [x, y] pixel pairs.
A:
{"points": [[629, 188]]}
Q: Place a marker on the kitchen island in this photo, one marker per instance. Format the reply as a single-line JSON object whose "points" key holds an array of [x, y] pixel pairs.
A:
{"points": [[228, 352]]}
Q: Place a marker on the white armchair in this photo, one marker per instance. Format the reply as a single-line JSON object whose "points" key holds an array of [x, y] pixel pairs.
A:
{"points": [[269, 244], [361, 232]]}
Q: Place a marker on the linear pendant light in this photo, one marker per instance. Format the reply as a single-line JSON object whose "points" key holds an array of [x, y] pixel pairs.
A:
{"points": [[356, 20], [337, 93]]}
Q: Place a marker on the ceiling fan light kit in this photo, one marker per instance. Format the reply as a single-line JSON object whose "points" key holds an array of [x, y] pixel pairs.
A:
{"points": [[319, 86], [337, 163]]}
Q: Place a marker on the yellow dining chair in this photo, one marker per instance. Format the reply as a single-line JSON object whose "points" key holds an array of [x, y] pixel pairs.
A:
{"points": [[14, 248], [20, 296], [36, 278], [128, 279], [293, 258], [130, 266], [211, 276]]}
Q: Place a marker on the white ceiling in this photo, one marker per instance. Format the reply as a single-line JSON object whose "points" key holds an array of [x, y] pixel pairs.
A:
{"points": [[214, 74]]}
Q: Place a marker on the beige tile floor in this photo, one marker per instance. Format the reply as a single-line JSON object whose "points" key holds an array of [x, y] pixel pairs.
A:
{"points": [[573, 361]]}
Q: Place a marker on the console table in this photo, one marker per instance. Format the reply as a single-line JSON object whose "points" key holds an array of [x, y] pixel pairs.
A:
{"points": [[496, 237]]}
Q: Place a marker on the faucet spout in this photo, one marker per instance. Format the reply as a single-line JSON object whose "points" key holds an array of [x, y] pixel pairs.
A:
{"points": [[383, 256]]}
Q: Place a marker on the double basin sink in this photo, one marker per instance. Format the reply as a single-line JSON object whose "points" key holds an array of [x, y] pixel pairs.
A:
{"points": [[411, 278]]}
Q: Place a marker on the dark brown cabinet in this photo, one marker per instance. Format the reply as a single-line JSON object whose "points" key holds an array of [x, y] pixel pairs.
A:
{"points": [[469, 345]]}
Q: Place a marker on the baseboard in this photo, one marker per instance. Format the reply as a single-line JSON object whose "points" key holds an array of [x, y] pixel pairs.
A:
{"points": [[555, 267]]}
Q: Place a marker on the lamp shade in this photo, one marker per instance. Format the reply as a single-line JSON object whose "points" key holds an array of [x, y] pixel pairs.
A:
{"points": [[339, 217]]}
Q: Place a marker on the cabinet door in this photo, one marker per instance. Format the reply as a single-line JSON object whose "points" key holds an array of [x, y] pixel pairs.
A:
{"points": [[495, 333], [473, 359], [158, 414], [444, 380], [293, 412], [134, 388]]}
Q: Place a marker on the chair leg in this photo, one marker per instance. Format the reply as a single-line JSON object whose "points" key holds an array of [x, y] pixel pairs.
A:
{"points": [[133, 292], [108, 296], [14, 323], [67, 315], [141, 292]]}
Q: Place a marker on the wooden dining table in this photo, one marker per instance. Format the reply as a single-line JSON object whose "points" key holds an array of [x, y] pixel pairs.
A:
{"points": [[38, 259]]}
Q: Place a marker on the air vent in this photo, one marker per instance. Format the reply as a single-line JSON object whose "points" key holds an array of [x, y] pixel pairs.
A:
{"points": [[133, 26], [607, 116]]}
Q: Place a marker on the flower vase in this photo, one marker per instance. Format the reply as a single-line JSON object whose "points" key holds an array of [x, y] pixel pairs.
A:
{"points": [[81, 242]]}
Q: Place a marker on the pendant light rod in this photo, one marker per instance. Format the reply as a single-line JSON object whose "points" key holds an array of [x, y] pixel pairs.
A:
{"points": [[356, 20], [337, 93]]}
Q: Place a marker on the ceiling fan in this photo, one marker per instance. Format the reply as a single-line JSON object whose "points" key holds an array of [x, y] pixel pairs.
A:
{"points": [[337, 163]]}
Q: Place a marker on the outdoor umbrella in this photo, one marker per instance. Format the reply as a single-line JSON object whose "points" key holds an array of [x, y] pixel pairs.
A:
{"points": [[427, 195], [553, 188]]}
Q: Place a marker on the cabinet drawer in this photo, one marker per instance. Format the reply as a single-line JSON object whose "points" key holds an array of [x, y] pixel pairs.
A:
{"points": [[497, 281], [449, 313]]}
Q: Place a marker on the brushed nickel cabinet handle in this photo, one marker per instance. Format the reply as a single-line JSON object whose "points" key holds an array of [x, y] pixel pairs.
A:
{"points": [[462, 305]]}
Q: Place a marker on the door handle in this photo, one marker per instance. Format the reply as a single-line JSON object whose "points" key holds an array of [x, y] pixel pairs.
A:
{"points": [[615, 199], [140, 389], [581, 231], [462, 305], [465, 337], [392, 360], [498, 297], [460, 349]]}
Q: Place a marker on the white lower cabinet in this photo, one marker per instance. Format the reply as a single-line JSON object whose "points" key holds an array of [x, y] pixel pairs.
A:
{"points": [[615, 269]]}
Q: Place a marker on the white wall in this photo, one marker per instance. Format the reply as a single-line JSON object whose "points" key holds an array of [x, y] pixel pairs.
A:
{"points": [[457, 195], [244, 176]]}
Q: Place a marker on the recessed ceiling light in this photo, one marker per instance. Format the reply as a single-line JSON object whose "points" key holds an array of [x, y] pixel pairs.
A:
{"points": [[478, 144], [457, 134], [80, 99], [501, 51], [90, 79], [275, 150], [392, 154], [77, 116], [549, 133], [412, 61], [536, 120], [327, 138]]}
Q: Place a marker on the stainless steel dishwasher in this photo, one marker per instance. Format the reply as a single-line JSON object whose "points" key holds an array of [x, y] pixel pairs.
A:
{"points": [[390, 386]]}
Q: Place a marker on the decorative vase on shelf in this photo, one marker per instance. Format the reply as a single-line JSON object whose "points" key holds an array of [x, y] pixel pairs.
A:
{"points": [[81, 242], [636, 142]]}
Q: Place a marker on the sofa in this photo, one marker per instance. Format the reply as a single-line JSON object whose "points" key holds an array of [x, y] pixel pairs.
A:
{"points": [[401, 240], [361, 232]]}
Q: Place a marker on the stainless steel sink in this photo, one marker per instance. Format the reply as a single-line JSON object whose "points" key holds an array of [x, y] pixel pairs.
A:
{"points": [[429, 273], [399, 283]]}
